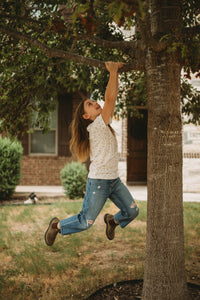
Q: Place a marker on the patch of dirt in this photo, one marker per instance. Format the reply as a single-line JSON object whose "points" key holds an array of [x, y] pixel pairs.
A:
{"points": [[18, 227], [132, 290]]}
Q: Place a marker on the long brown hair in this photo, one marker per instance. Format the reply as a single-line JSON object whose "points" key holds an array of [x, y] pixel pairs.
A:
{"points": [[79, 142]]}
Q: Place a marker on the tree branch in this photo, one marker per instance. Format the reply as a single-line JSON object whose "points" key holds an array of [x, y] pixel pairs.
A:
{"points": [[52, 52], [120, 45], [105, 43]]}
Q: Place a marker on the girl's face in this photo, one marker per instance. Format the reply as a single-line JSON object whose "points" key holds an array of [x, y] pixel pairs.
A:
{"points": [[92, 109]]}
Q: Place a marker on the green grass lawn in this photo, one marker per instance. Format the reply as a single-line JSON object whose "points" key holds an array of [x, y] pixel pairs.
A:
{"points": [[77, 265]]}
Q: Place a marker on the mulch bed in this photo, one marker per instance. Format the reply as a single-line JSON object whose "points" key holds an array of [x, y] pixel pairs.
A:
{"points": [[132, 290]]}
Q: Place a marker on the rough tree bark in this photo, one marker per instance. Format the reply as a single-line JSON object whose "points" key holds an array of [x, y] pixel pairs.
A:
{"points": [[164, 277]]}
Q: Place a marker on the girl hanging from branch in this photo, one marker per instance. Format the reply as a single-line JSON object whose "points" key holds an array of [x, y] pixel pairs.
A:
{"points": [[93, 136]]}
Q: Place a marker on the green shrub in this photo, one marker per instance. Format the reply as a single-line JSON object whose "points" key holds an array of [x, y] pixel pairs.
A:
{"points": [[10, 166], [74, 177]]}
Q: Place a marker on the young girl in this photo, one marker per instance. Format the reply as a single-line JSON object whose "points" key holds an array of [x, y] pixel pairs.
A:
{"points": [[93, 136]]}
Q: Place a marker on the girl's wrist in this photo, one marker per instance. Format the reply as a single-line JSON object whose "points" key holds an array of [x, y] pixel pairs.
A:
{"points": [[114, 72]]}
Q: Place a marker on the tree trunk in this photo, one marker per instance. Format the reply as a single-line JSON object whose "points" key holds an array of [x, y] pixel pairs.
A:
{"points": [[164, 277]]}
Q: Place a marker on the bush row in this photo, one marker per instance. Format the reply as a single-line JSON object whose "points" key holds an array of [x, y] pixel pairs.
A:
{"points": [[10, 166], [73, 176]]}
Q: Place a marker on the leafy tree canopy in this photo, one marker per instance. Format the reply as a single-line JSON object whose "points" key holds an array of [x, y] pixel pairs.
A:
{"points": [[50, 47]]}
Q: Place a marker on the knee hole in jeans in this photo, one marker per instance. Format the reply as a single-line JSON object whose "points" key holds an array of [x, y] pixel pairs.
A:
{"points": [[133, 213]]}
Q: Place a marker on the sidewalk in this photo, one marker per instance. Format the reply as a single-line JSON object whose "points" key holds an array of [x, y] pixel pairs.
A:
{"points": [[138, 192], [191, 184]]}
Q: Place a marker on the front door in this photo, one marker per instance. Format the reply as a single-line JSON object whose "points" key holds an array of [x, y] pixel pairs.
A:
{"points": [[137, 149]]}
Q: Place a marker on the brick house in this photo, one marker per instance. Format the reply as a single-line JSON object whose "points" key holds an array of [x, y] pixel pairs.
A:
{"points": [[46, 154]]}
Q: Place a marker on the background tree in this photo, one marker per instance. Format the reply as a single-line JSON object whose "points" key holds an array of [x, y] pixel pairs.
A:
{"points": [[32, 80], [47, 40]]}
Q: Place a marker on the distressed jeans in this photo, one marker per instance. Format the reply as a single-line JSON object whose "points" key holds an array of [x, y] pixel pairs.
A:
{"points": [[97, 192]]}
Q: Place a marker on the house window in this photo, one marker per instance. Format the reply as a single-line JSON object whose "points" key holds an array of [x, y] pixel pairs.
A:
{"points": [[44, 143]]}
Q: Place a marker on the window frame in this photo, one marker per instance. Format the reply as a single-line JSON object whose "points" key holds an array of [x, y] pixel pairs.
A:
{"points": [[56, 139]]}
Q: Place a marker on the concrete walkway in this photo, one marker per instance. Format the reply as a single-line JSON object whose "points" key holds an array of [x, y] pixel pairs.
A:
{"points": [[191, 184], [138, 192]]}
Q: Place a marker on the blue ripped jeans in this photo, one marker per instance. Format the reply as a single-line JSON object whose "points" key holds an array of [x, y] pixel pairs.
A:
{"points": [[97, 192]]}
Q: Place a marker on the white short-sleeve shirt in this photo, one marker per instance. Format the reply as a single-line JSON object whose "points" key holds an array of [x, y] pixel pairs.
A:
{"points": [[103, 151]]}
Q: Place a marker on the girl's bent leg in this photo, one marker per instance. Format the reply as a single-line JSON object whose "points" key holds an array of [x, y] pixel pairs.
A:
{"points": [[97, 192], [123, 199]]}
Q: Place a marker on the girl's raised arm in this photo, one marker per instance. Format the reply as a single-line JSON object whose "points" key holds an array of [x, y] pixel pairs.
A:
{"points": [[111, 91]]}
